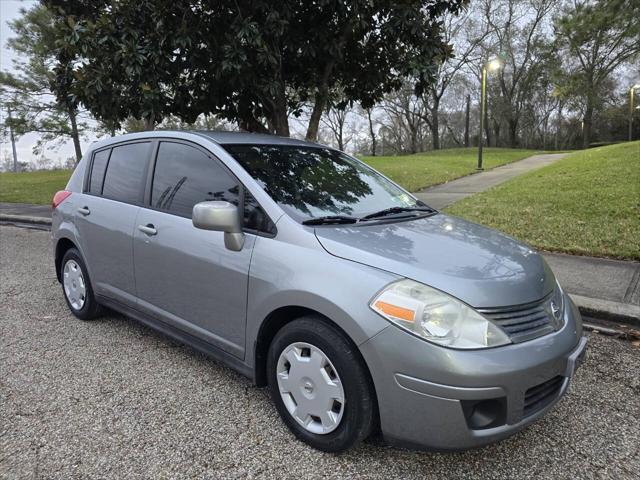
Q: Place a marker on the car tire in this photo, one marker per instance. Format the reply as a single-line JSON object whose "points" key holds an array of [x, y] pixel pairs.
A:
{"points": [[343, 367], [76, 286]]}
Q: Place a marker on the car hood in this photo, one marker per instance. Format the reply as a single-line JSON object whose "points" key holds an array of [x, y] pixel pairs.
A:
{"points": [[478, 265]]}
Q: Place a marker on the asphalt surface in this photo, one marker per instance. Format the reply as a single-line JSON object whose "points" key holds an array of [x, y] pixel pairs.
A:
{"points": [[26, 209], [113, 399]]}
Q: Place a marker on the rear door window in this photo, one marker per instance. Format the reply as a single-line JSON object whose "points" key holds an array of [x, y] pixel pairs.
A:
{"points": [[185, 175], [126, 172], [98, 168]]}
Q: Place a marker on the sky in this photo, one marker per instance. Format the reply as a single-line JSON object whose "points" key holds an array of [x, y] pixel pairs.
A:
{"points": [[10, 10]]}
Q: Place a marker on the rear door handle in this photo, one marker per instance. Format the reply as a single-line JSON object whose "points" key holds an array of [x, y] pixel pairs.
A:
{"points": [[148, 229], [84, 211]]}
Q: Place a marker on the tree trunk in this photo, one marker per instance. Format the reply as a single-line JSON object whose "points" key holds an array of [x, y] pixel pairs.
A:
{"points": [[149, 123], [13, 142], [496, 133], [414, 140], [586, 128], [318, 107], [372, 133], [558, 126], [435, 124], [466, 122], [513, 133], [280, 114], [74, 134]]}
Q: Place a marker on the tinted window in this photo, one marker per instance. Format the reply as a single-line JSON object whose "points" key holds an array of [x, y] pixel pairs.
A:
{"points": [[100, 160], [311, 182], [125, 172], [185, 176]]}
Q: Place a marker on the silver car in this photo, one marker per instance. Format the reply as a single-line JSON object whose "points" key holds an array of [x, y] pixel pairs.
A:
{"points": [[360, 307]]}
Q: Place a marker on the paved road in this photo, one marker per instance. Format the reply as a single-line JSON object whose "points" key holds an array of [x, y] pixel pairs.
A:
{"points": [[113, 399], [26, 209], [441, 196]]}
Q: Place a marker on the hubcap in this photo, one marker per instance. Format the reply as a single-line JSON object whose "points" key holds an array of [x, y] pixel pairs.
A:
{"points": [[74, 286], [310, 388]]}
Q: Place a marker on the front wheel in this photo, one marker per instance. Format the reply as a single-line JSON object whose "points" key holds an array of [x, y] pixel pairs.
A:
{"points": [[320, 385]]}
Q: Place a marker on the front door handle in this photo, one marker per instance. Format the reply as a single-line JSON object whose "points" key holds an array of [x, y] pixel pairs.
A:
{"points": [[148, 229], [84, 211]]}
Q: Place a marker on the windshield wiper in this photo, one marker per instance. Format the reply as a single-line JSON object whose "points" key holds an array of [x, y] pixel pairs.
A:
{"points": [[330, 220], [396, 210]]}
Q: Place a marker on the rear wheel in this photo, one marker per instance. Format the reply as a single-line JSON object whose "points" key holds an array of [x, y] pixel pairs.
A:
{"points": [[320, 385], [76, 286]]}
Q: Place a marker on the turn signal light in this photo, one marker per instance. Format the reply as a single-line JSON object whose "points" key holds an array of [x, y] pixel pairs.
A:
{"points": [[59, 197], [395, 311]]}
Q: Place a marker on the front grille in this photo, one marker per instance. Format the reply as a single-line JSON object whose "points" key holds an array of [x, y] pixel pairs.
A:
{"points": [[538, 397], [523, 322]]}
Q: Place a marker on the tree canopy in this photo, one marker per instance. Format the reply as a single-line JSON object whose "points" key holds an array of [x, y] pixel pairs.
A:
{"points": [[27, 91], [597, 38], [253, 62]]}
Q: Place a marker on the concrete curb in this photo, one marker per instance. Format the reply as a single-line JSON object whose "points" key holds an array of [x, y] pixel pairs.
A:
{"points": [[607, 310], [604, 310], [5, 217]]}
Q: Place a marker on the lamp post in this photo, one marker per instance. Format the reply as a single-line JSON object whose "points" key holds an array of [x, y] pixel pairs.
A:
{"points": [[631, 98], [493, 64]]}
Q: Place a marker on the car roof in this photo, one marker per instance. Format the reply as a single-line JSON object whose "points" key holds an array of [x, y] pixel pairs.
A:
{"points": [[219, 138], [226, 138]]}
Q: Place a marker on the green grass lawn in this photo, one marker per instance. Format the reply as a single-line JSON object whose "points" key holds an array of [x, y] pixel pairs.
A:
{"points": [[421, 170], [413, 172], [32, 187], [587, 204]]}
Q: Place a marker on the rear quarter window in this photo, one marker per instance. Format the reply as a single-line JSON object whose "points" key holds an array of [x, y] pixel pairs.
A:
{"points": [[126, 172], [98, 167]]}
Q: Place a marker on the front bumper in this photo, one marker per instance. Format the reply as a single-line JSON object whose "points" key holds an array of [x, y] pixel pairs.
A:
{"points": [[427, 394]]}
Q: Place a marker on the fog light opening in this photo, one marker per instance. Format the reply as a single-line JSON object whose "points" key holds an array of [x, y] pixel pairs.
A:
{"points": [[482, 414]]}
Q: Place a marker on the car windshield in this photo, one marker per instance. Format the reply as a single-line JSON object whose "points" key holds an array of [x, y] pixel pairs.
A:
{"points": [[312, 182]]}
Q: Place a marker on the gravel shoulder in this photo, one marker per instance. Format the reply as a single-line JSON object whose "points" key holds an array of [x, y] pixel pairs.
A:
{"points": [[113, 399]]}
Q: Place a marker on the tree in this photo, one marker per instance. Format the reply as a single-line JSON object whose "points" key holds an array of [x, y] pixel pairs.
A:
{"points": [[596, 38], [463, 34], [127, 59], [28, 92], [407, 112], [518, 35], [335, 119], [372, 132], [251, 62], [131, 125]]}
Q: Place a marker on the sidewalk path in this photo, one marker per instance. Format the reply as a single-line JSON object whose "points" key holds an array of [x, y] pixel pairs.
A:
{"points": [[614, 280], [443, 195]]}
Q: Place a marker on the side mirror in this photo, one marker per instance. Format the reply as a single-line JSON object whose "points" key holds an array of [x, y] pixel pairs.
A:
{"points": [[220, 217]]}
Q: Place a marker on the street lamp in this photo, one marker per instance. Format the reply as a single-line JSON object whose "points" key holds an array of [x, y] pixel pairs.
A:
{"points": [[631, 95], [491, 65]]}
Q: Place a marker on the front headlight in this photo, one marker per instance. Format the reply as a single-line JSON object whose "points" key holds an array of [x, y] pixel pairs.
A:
{"points": [[436, 316]]}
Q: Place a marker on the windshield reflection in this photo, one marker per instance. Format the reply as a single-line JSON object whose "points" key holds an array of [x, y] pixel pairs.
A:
{"points": [[310, 182]]}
